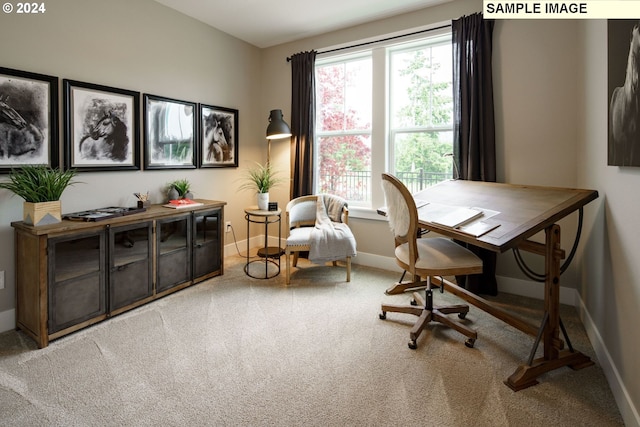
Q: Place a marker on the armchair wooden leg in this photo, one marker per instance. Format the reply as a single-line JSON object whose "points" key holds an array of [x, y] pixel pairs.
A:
{"points": [[348, 269], [288, 269]]}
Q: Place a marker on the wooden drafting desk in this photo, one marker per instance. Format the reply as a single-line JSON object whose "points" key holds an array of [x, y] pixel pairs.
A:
{"points": [[524, 211]]}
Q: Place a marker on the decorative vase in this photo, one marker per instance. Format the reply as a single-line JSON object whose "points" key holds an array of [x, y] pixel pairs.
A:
{"points": [[188, 195], [42, 213], [173, 194], [263, 201]]}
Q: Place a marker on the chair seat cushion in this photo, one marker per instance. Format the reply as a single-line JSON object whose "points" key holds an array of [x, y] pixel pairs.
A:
{"points": [[438, 256], [300, 236]]}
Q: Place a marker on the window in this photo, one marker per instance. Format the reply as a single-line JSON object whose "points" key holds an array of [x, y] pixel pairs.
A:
{"points": [[388, 108], [343, 128]]}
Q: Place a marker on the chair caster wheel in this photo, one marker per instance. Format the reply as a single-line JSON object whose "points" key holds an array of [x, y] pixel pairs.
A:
{"points": [[383, 315], [462, 315], [470, 342], [413, 345], [414, 302]]}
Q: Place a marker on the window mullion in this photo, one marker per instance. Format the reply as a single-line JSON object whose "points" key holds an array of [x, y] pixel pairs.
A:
{"points": [[380, 124]]}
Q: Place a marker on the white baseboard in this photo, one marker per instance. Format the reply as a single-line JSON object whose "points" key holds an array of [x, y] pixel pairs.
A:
{"points": [[377, 261], [629, 412], [240, 248], [531, 289], [7, 320]]}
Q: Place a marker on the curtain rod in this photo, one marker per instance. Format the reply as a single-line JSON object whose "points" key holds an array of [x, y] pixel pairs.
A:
{"points": [[381, 40]]}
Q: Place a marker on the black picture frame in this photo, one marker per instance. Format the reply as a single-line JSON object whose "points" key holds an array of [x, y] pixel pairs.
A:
{"points": [[218, 140], [623, 48], [170, 133], [29, 119], [102, 127]]}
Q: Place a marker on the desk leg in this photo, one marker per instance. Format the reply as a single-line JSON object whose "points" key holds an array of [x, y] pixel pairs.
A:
{"points": [[554, 356]]}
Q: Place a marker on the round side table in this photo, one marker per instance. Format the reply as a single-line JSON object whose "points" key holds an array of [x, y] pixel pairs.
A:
{"points": [[269, 255]]}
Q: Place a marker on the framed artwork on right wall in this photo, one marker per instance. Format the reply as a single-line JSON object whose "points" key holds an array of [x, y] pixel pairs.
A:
{"points": [[623, 43]]}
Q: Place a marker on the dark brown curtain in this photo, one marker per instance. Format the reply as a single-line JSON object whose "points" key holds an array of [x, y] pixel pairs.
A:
{"points": [[303, 112], [474, 126]]}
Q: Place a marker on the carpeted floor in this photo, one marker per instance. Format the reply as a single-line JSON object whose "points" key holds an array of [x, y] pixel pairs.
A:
{"points": [[247, 352]]}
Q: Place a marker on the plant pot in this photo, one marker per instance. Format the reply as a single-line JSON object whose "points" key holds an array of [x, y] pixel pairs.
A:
{"points": [[263, 201], [173, 194], [42, 213]]}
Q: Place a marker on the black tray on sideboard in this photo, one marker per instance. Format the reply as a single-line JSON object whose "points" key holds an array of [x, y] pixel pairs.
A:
{"points": [[102, 213]]}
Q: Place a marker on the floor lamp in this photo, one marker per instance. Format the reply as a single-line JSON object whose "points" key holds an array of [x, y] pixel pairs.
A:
{"points": [[277, 129]]}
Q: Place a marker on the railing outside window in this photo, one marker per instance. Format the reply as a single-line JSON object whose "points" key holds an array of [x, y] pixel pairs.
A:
{"points": [[356, 185]]}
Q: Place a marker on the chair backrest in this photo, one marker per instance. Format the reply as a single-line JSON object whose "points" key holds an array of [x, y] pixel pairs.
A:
{"points": [[402, 213], [301, 211]]}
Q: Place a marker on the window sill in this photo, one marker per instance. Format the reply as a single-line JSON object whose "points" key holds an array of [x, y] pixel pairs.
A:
{"points": [[365, 213]]}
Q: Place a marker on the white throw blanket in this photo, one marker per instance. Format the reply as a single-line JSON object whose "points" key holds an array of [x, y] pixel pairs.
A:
{"points": [[330, 240]]}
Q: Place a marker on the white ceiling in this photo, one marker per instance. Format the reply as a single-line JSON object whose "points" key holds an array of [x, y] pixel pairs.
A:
{"points": [[265, 23]]}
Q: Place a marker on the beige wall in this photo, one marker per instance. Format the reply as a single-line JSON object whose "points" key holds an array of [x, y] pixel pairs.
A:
{"points": [[535, 89]]}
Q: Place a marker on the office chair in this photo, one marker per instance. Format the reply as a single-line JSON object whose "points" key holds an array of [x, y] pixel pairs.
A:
{"points": [[301, 216], [425, 258]]}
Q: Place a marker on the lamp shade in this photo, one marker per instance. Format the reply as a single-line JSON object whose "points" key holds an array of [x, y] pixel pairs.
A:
{"points": [[277, 128]]}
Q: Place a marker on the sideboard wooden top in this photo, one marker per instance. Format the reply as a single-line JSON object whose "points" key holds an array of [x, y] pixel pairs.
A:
{"points": [[152, 212]]}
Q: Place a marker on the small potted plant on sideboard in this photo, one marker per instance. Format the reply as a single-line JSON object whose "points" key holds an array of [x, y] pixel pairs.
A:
{"points": [[41, 188], [179, 189]]}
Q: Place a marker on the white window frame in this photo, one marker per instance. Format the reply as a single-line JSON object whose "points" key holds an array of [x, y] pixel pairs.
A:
{"points": [[381, 151]]}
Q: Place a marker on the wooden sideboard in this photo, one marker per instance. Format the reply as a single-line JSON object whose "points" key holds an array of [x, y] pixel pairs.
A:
{"points": [[74, 274]]}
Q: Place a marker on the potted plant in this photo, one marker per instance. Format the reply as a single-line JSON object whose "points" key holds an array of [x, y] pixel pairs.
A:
{"points": [[261, 178], [180, 189], [41, 187]]}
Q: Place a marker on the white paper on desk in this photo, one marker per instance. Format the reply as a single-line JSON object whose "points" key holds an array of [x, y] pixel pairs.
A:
{"points": [[431, 211], [478, 228], [420, 203], [458, 216]]}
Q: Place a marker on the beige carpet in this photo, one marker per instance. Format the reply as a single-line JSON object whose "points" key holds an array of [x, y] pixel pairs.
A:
{"points": [[246, 352]]}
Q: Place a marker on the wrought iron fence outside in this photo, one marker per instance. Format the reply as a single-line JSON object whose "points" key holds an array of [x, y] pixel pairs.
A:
{"points": [[356, 185]]}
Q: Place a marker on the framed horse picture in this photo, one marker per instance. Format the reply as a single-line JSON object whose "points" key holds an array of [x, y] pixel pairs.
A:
{"points": [[218, 145], [101, 127], [28, 119], [170, 132], [623, 43]]}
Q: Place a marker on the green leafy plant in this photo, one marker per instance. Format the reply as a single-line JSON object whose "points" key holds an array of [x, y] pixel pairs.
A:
{"points": [[261, 178], [39, 183], [182, 186]]}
